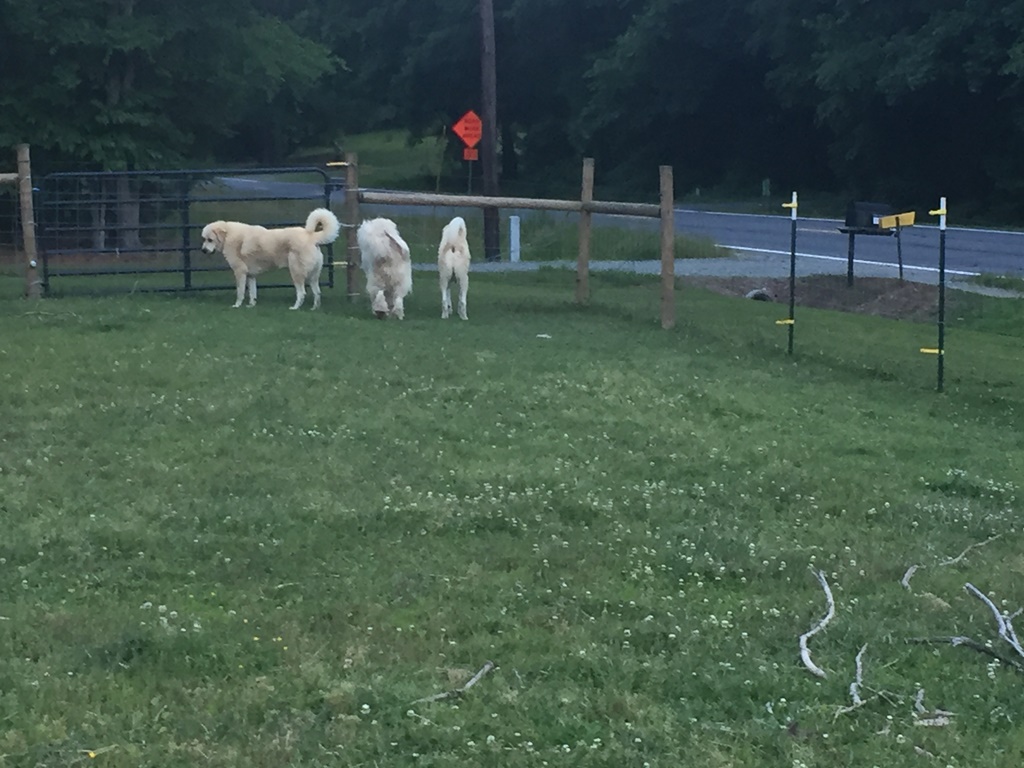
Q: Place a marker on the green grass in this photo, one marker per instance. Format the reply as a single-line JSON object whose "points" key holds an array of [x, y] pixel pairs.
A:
{"points": [[256, 537], [386, 159], [1004, 282]]}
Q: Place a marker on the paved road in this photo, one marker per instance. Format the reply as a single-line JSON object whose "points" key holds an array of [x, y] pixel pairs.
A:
{"points": [[968, 251], [762, 242]]}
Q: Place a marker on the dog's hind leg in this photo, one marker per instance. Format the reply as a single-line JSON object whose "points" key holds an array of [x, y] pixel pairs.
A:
{"points": [[446, 294], [314, 287], [463, 292], [398, 310], [380, 305], [252, 290]]}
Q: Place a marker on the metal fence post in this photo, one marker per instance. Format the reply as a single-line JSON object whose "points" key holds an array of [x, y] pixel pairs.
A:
{"points": [[351, 222], [328, 185], [186, 251]]}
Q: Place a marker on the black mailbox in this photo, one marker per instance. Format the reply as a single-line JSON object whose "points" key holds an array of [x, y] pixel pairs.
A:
{"points": [[862, 218]]}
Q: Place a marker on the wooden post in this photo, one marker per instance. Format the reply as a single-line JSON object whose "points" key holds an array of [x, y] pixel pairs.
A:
{"points": [[28, 222], [583, 259], [489, 140], [351, 215], [668, 254]]}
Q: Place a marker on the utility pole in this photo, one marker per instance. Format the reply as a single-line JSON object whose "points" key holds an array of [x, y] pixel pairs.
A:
{"points": [[489, 140]]}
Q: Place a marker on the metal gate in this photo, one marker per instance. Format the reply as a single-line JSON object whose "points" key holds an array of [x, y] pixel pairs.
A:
{"points": [[107, 232]]}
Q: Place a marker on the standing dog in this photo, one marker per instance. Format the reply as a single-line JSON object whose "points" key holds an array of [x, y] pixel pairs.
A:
{"points": [[387, 265], [251, 249], [453, 261]]}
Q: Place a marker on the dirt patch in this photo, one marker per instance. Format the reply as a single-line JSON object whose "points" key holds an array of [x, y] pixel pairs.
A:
{"points": [[881, 296]]}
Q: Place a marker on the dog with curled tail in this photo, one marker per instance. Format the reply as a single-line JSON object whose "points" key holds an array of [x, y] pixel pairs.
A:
{"points": [[453, 259], [251, 250]]}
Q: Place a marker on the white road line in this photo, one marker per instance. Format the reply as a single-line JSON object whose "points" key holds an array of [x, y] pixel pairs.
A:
{"points": [[781, 217], [855, 261]]}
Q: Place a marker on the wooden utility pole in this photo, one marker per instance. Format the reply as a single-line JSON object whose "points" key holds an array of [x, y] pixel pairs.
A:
{"points": [[489, 140]]}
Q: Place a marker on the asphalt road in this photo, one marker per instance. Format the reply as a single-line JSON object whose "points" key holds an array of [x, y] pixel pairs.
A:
{"points": [[968, 251]]}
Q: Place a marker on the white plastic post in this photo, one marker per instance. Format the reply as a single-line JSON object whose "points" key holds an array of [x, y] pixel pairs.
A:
{"points": [[513, 238]]}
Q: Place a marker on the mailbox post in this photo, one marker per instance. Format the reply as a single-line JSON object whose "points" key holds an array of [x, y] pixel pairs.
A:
{"points": [[863, 219]]}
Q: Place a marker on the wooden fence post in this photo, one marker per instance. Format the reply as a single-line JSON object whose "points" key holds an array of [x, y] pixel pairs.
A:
{"points": [[583, 258], [28, 222], [668, 255], [351, 222]]}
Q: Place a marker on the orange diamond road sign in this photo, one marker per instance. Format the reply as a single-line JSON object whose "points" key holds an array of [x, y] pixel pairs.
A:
{"points": [[470, 128]]}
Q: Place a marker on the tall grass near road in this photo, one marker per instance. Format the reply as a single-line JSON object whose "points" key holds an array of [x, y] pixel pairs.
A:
{"points": [[258, 536]]}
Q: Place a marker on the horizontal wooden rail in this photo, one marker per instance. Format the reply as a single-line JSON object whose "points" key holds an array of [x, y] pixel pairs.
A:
{"points": [[8, 178], [528, 203]]}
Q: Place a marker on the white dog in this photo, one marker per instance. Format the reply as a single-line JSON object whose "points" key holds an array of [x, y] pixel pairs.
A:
{"points": [[251, 249], [453, 261], [387, 265]]}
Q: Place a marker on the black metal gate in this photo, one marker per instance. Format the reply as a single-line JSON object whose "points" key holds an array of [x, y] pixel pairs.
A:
{"points": [[108, 232]]}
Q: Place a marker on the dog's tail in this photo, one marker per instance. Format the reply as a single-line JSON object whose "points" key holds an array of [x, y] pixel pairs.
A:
{"points": [[326, 222], [453, 238]]}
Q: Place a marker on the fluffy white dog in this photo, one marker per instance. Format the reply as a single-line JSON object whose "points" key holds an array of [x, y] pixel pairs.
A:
{"points": [[453, 261], [251, 249], [387, 265]]}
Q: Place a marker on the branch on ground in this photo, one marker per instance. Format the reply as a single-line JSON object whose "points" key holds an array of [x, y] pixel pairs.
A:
{"points": [[959, 641], [805, 652], [457, 692], [905, 581]]}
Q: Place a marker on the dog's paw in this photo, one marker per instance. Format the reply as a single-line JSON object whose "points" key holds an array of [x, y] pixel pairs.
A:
{"points": [[380, 313]]}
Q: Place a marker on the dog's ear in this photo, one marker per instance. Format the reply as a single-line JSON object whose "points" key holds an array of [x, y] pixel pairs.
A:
{"points": [[219, 231]]}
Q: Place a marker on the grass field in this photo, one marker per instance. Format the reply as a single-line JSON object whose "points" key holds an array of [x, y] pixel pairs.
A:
{"points": [[258, 537]]}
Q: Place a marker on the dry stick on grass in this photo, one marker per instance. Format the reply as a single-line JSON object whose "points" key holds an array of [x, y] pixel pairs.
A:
{"points": [[805, 652], [856, 685], [905, 581], [962, 555], [456, 692], [966, 642], [938, 718], [858, 681], [1005, 623]]}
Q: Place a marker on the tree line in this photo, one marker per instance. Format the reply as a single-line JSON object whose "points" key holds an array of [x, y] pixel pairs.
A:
{"points": [[902, 101]]}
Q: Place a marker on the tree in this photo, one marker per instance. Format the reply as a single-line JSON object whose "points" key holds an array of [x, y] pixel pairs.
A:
{"points": [[138, 84]]}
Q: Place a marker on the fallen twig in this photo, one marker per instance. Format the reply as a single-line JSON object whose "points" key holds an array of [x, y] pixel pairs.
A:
{"points": [[805, 652], [967, 642], [858, 681], [1004, 623], [456, 692], [962, 555], [905, 581], [936, 719], [856, 685], [919, 702]]}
